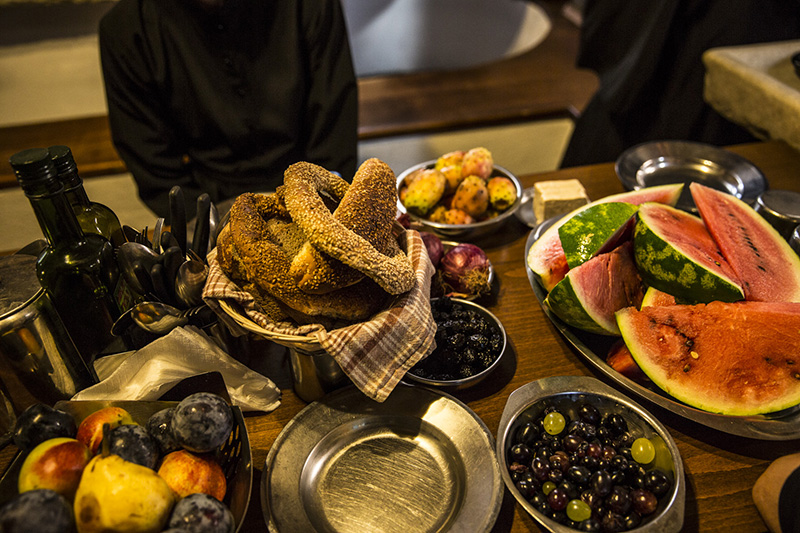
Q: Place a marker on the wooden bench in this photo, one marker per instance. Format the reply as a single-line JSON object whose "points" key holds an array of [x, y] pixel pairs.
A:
{"points": [[540, 84]]}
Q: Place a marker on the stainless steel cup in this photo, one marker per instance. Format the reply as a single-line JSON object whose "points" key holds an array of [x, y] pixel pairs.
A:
{"points": [[315, 374], [794, 240], [781, 209], [38, 360]]}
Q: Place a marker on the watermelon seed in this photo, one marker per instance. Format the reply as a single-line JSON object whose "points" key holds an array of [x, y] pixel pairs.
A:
{"points": [[689, 367], [796, 376], [695, 355], [790, 361]]}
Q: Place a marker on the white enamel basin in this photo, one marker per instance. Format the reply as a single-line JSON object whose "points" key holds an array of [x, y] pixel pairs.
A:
{"points": [[401, 36]]}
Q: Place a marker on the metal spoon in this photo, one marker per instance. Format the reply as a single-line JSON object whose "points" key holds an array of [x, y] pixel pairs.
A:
{"points": [[157, 317], [159, 227], [161, 318], [189, 282], [131, 253]]}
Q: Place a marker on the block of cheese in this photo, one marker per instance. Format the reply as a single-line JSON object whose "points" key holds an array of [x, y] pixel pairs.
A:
{"points": [[557, 197]]}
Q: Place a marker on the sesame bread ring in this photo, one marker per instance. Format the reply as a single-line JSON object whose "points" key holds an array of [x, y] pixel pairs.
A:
{"points": [[256, 248], [357, 235]]}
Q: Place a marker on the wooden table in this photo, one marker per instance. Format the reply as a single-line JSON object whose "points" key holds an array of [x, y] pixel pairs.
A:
{"points": [[720, 468]]}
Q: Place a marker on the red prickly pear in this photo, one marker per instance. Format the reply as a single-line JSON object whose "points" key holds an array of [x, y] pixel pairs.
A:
{"points": [[472, 196], [477, 162]]}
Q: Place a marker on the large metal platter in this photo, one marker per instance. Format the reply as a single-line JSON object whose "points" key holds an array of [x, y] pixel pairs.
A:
{"points": [[782, 425], [419, 461]]}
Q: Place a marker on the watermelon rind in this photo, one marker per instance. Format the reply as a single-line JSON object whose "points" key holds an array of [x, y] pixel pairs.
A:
{"points": [[546, 258], [567, 304], [729, 358], [590, 294], [764, 262], [675, 254], [586, 233]]}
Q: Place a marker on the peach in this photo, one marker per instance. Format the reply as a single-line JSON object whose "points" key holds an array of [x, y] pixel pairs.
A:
{"points": [[188, 473], [56, 464], [90, 430]]}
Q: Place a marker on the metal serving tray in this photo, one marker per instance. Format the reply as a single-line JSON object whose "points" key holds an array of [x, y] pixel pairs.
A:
{"points": [[781, 425], [420, 461]]}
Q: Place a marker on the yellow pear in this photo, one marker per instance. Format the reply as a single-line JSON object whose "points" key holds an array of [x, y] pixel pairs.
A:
{"points": [[117, 495]]}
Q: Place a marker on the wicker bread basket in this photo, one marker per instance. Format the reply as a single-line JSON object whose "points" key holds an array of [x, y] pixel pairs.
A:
{"points": [[303, 343]]}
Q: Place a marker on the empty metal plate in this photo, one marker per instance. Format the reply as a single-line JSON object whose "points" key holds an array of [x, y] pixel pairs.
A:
{"points": [[665, 162], [420, 461]]}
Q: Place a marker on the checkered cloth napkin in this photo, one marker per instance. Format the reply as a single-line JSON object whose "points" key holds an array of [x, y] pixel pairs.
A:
{"points": [[373, 354]]}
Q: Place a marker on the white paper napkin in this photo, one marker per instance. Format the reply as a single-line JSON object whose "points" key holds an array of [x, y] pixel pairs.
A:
{"points": [[149, 372]]}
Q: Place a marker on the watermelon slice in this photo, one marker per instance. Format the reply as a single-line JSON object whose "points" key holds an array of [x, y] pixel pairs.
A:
{"points": [[546, 257], [767, 266], [591, 293], [731, 358], [675, 254], [595, 230], [654, 297], [620, 359]]}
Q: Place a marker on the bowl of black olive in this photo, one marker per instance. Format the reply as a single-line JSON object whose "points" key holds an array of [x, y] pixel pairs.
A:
{"points": [[578, 455], [470, 341]]}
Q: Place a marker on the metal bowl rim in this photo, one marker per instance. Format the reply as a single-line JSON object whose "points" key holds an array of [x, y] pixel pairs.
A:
{"points": [[524, 397], [480, 376], [452, 230]]}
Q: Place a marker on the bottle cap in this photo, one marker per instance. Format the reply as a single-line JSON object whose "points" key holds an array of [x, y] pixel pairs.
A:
{"points": [[65, 164], [35, 171]]}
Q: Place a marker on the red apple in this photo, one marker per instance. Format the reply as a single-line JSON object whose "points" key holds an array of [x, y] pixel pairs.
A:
{"points": [[55, 464], [90, 430], [188, 473]]}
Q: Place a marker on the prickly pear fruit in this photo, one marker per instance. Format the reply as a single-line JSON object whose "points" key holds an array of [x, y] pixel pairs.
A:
{"points": [[450, 159], [411, 177], [502, 192], [424, 191], [472, 196], [477, 162], [437, 215], [454, 178], [457, 216]]}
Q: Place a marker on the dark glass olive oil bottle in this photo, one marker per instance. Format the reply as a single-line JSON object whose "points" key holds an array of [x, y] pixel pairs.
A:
{"points": [[77, 270], [93, 217]]}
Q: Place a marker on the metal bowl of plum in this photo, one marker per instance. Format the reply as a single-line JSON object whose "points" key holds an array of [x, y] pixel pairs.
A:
{"points": [[466, 229], [578, 455], [233, 455], [470, 342]]}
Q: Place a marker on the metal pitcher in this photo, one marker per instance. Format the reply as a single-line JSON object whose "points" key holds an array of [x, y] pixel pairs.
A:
{"points": [[38, 360]]}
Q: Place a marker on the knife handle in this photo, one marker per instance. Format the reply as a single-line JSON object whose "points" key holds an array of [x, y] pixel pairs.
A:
{"points": [[200, 237], [177, 217], [159, 284]]}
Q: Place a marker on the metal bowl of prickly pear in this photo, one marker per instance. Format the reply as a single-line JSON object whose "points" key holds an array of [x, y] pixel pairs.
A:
{"points": [[461, 232]]}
